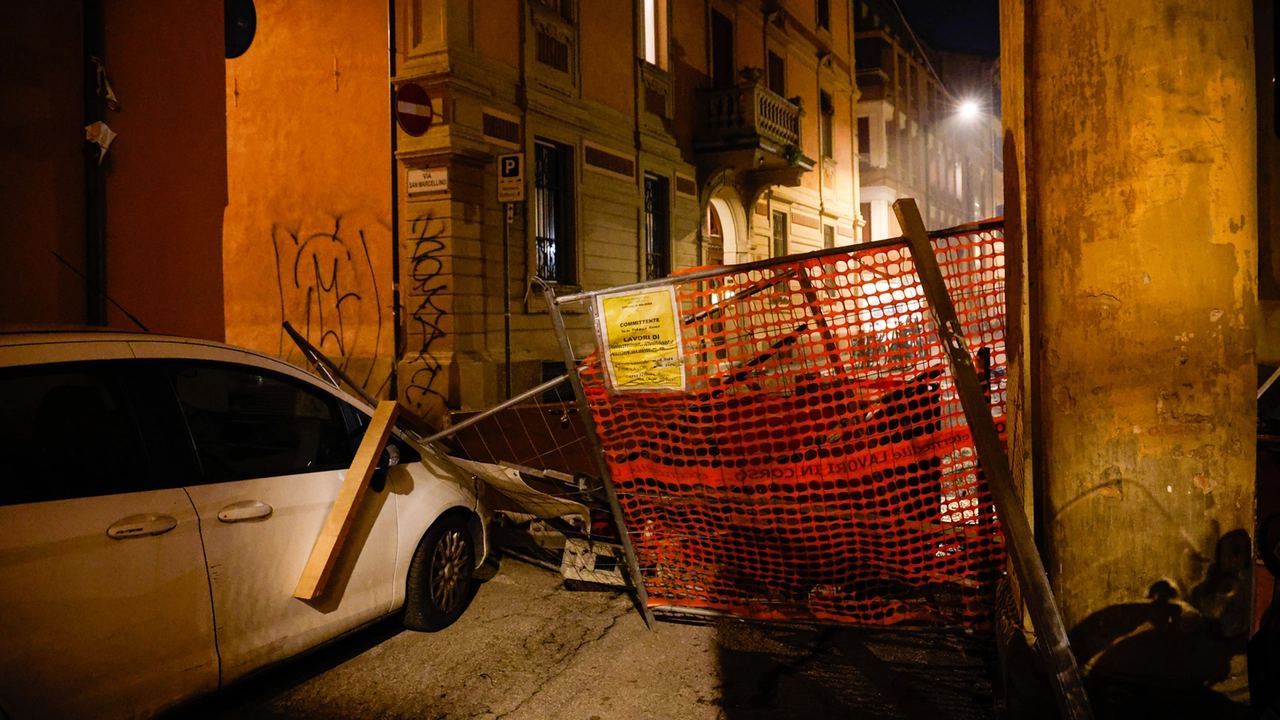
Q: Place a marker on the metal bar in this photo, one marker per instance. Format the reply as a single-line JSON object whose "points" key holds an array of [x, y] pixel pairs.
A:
{"points": [[738, 296], [672, 611], [969, 228], [406, 420], [320, 360], [522, 557], [308, 352], [452, 429], [323, 370], [1025, 559], [786, 341], [740, 268], [589, 424], [1267, 385]]}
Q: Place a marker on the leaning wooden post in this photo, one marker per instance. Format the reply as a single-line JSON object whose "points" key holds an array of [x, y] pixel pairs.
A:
{"points": [[1019, 542], [324, 556]]}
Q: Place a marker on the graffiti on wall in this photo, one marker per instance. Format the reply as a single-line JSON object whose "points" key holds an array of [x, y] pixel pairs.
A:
{"points": [[425, 389], [329, 292]]}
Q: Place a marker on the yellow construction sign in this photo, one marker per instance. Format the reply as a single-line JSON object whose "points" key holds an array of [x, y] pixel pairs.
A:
{"points": [[640, 338]]}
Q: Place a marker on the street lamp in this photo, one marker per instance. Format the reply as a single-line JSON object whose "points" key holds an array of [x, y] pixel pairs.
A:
{"points": [[977, 125]]}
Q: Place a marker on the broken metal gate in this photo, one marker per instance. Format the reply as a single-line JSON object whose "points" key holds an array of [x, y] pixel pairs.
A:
{"points": [[821, 461], [818, 464]]}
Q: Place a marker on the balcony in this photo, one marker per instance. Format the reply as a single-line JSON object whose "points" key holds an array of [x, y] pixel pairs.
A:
{"points": [[751, 128]]}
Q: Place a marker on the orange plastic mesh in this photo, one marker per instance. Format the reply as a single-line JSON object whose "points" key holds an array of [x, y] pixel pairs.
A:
{"points": [[819, 464]]}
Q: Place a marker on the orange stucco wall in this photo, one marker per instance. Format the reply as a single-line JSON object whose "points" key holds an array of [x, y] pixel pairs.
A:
{"points": [[307, 236], [167, 185], [42, 181], [165, 173]]}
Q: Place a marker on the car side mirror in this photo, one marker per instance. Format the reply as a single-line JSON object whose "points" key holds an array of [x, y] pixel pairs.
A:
{"points": [[390, 458]]}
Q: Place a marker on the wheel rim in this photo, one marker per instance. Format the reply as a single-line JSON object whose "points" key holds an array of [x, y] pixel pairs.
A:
{"points": [[449, 571]]}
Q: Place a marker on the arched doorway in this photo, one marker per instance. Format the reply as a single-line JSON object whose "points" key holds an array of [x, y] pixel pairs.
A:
{"points": [[712, 237], [724, 229]]}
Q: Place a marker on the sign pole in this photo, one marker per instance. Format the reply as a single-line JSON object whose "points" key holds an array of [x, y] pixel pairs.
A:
{"points": [[506, 293], [510, 192]]}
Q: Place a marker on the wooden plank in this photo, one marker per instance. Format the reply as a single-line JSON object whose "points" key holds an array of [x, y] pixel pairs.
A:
{"points": [[324, 556], [1024, 557]]}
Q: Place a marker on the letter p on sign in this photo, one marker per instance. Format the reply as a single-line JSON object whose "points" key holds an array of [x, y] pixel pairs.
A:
{"points": [[511, 178]]}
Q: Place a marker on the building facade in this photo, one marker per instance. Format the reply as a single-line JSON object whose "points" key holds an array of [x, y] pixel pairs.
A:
{"points": [[657, 136], [927, 124]]}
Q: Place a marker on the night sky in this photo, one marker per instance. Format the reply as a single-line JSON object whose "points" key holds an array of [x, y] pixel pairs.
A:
{"points": [[971, 26]]}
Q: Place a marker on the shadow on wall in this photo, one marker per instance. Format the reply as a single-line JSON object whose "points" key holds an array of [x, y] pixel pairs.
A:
{"points": [[1171, 656]]}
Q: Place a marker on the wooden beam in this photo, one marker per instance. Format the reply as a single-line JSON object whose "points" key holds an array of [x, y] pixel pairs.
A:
{"points": [[324, 556], [1024, 557]]}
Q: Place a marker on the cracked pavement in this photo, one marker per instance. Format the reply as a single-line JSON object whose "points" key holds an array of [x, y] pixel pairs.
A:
{"points": [[529, 648]]}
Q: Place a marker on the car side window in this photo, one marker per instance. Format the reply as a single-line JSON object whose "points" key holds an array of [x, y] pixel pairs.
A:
{"points": [[360, 421], [66, 431], [251, 423]]}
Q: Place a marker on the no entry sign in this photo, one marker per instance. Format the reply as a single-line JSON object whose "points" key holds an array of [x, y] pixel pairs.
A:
{"points": [[413, 109]]}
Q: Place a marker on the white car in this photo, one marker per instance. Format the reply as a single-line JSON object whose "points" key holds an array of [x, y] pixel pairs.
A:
{"points": [[159, 498]]}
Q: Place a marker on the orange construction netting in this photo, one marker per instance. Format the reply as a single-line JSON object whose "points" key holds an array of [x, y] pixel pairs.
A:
{"points": [[819, 465]]}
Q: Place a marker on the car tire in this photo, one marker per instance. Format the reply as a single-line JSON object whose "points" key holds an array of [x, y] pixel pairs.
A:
{"points": [[441, 577]]}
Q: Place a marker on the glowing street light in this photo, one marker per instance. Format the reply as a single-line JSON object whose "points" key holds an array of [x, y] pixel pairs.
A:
{"points": [[969, 110]]}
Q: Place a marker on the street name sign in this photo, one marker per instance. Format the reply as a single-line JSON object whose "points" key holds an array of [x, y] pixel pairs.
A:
{"points": [[428, 180]]}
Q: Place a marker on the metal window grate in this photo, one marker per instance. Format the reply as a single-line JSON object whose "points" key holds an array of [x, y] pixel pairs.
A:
{"points": [[553, 234], [826, 121], [501, 128], [657, 226], [779, 233], [552, 52]]}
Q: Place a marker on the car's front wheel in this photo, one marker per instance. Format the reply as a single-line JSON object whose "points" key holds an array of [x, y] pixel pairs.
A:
{"points": [[441, 576]]}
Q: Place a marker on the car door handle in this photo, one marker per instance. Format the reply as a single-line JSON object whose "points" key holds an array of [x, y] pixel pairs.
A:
{"points": [[141, 526], [244, 510]]}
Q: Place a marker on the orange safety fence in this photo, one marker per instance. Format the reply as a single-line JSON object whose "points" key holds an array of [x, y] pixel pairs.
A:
{"points": [[818, 464]]}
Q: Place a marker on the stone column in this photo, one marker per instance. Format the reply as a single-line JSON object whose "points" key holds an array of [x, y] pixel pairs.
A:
{"points": [[1133, 153]]}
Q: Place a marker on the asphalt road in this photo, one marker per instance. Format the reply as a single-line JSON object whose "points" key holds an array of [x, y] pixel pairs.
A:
{"points": [[530, 648]]}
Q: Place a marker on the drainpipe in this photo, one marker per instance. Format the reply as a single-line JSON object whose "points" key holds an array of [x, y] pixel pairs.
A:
{"points": [[822, 157], [95, 189], [637, 36], [522, 106], [855, 172], [703, 209], [397, 331]]}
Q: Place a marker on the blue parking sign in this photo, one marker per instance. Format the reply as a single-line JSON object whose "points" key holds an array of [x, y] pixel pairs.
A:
{"points": [[511, 166], [511, 178]]}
